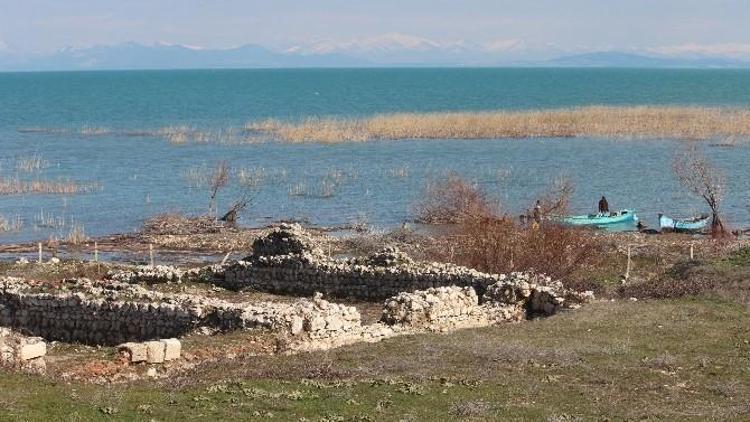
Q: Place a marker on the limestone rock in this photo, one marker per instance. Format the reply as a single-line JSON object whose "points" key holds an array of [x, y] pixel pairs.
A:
{"points": [[172, 349], [155, 351]]}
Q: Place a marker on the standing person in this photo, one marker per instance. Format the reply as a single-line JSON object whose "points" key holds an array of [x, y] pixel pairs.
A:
{"points": [[538, 212], [537, 216], [603, 206]]}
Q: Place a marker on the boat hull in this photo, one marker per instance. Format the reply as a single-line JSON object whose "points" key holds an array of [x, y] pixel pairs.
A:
{"points": [[601, 220], [693, 225]]}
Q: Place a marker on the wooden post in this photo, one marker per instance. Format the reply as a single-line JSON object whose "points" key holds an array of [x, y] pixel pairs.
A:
{"points": [[40, 253], [151, 253], [692, 245], [96, 252], [627, 269]]}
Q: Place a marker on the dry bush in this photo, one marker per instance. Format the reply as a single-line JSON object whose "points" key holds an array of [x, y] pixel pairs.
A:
{"points": [[500, 245], [453, 201], [487, 241], [556, 199]]}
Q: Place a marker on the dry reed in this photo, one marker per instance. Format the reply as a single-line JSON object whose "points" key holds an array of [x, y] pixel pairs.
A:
{"points": [[14, 224], [33, 163], [674, 122], [76, 235], [16, 186]]}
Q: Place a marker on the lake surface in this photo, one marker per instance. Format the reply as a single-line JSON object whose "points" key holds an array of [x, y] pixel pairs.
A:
{"points": [[377, 182]]}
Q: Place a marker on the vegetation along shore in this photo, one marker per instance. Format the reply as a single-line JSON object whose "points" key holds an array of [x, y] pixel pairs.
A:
{"points": [[693, 123]]}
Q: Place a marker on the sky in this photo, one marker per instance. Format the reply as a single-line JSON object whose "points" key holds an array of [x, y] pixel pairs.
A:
{"points": [[673, 27]]}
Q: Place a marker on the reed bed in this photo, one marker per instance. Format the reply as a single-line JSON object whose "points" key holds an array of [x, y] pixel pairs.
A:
{"points": [[31, 164], [251, 176], [12, 224], [16, 186], [76, 235], [690, 123]]}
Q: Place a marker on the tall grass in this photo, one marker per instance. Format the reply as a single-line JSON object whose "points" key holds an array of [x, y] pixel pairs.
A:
{"points": [[30, 164], [17, 186], [76, 235], [251, 176], [13, 224], [692, 123]]}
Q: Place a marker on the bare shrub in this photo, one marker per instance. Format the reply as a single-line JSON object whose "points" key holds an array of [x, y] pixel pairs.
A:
{"points": [[219, 179], [557, 197], [703, 179], [487, 241], [231, 216], [451, 201], [500, 245]]}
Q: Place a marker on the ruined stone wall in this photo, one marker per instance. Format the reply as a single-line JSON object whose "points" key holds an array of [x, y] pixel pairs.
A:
{"points": [[287, 262], [115, 313]]}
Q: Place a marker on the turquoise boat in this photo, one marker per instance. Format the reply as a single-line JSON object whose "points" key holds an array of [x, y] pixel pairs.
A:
{"points": [[684, 225], [621, 217]]}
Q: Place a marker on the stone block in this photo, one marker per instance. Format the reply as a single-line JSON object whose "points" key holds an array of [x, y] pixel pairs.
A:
{"points": [[32, 350], [172, 349], [138, 352], [155, 351]]}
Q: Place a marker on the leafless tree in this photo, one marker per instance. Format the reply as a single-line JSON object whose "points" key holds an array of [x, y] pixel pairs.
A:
{"points": [[703, 179], [219, 179], [453, 201], [556, 199], [231, 216]]}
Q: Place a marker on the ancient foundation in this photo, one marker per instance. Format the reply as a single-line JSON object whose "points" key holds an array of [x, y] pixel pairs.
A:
{"points": [[417, 297]]}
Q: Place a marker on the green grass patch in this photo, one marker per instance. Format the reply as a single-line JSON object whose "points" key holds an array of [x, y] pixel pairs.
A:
{"points": [[686, 359]]}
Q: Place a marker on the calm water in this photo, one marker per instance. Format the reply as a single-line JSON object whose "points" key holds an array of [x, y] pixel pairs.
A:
{"points": [[336, 184]]}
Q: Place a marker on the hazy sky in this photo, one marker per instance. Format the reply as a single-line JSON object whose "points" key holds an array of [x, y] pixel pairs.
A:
{"points": [[671, 26]]}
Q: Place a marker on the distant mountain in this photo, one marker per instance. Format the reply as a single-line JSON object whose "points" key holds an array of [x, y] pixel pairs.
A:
{"points": [[402, 49], [388, 50], [165, 56], [619, 59]]}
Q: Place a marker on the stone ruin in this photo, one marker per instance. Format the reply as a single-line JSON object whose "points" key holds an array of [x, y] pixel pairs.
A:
{"points": [[110, 313], [280, 265], [19, 350], [417, 296]]}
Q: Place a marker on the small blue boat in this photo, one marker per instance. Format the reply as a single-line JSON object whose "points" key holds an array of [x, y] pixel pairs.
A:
{"points": [[684, 225], [601, 220]]}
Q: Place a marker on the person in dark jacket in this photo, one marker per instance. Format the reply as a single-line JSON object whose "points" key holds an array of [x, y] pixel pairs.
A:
{"points": [[603, 206]]}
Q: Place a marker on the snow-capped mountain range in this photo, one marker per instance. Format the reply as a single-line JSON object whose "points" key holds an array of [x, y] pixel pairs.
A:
{"points": [[392, 49]]}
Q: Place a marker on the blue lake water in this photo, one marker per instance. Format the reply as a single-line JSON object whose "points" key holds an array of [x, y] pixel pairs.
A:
{"points": [[377, 182]]}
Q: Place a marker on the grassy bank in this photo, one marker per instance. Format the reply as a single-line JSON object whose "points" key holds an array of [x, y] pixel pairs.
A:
{"points": [[683, 359], [629, 122]]}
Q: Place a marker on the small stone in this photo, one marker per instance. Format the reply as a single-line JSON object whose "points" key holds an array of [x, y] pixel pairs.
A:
{"points": [[297, 325]]}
